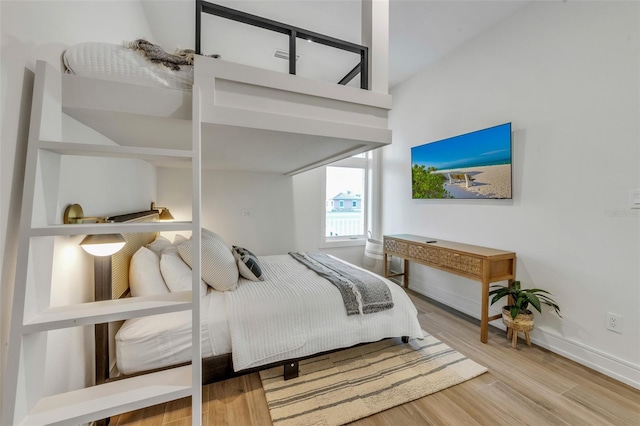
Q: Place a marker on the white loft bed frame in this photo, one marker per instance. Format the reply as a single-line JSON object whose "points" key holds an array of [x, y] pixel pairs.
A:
{"points": [[237, 117], [252, 119]]}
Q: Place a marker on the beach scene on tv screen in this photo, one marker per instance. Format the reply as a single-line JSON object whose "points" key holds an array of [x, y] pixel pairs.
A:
{"points": [[473, 165]]}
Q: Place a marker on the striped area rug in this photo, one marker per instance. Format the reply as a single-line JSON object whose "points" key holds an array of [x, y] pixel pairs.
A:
{"points": [[348, 385]]}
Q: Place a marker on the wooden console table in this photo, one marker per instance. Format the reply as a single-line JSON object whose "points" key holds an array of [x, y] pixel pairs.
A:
{"points": [[482, 264]]}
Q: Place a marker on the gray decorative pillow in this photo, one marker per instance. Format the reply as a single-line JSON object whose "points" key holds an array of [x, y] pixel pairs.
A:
{"points": [[248, 264]]}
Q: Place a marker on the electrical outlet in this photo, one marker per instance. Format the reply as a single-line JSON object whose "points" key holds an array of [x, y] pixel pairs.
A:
{"points": [[614, 322]]}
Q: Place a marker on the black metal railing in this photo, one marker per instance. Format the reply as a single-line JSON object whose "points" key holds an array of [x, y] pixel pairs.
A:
{"points": [[293, 32]]}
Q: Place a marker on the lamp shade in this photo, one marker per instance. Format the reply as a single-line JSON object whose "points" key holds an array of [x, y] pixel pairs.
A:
{"points": [[103, 244], [165, 214]]}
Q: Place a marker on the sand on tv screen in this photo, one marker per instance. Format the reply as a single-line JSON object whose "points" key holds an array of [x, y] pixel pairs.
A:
{"points": [[474, 165]]}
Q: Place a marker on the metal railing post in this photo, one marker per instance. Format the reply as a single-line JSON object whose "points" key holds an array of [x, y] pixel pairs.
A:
{"points": [[292, 51], [198, 25]]}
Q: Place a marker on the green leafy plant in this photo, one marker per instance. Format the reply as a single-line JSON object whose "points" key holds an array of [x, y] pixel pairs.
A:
{"points": [[522, 298], [426, 184]]}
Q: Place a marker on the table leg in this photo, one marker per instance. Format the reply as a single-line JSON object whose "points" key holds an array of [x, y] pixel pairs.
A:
{"points": [[484, 317], [406, 273], [385, 272]]}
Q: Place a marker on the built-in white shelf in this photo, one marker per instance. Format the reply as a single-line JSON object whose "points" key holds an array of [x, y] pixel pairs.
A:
{"points": [[116, 151], [110, 228], [106, 311], [102, 401]]}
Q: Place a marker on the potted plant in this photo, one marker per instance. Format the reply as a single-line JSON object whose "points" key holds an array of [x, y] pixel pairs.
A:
{"points": [[515, 316]]}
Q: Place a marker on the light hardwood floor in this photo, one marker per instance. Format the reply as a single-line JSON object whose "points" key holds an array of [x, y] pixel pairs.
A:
{"points": [[527, 385]]}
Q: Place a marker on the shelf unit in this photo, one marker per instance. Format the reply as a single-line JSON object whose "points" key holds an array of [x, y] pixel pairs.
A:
{"points": [[33, 317]]}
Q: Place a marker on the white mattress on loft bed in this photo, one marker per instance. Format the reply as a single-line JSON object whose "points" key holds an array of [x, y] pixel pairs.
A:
{"points": [[117, 63]]}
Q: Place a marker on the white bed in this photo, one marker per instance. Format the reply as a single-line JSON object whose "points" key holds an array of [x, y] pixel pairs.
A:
{"points": [[305, 313]]}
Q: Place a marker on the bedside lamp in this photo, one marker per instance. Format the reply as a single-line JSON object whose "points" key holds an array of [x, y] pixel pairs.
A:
{"points": [[98, 244], [102, 247], [164, 212], [103, 244]]}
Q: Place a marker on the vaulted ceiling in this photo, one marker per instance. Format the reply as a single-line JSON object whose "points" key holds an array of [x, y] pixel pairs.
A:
{"points": [[421, 31]]}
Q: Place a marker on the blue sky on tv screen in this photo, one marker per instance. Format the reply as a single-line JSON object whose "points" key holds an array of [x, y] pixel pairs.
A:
{"points": [[487, 147]]}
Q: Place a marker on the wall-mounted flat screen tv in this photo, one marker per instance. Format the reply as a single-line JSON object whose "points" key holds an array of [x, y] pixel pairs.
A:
{"points": [[470, 166]]}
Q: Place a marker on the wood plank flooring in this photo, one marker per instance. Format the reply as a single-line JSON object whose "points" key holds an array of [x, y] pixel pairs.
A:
{"points": [[527, 385]]}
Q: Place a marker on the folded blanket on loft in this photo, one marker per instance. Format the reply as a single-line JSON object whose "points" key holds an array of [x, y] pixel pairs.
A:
{"points": [[362, 293], [156, 54]]}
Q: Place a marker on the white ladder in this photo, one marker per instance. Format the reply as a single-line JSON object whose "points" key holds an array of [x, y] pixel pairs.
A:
{"points": [[32, 316]]}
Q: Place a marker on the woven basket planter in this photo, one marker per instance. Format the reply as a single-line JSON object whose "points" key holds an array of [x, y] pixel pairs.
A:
{"points": [[523, 322]]}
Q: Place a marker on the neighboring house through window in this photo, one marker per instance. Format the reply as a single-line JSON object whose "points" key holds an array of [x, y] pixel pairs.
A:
{"points": [[346, 188]]}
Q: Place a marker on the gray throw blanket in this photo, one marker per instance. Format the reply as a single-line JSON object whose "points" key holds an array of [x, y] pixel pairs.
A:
{"points": [[157, 55], [361, 292]]}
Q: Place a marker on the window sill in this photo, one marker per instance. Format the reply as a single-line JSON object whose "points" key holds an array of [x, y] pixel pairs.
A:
{"points": [[346, 242]]}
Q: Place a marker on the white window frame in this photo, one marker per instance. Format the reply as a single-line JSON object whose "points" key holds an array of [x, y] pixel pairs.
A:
{"points": [[370, 208]]}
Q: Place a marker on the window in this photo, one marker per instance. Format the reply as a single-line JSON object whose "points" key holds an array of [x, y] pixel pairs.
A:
{"points": [[346, 201]]}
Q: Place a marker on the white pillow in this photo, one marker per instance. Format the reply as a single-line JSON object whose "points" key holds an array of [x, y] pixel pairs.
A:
{"points": [[158, 245], [177, 274], [219, 268], [179, 239], [144, 274]]}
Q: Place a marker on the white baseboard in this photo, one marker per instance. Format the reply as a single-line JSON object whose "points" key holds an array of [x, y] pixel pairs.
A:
{"points": [[607, 364], [593, 358]]}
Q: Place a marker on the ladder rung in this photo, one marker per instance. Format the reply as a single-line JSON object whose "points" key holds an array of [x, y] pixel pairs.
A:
{"points": [[115, 151], [110, 228], [106, 400], [107, 311]]}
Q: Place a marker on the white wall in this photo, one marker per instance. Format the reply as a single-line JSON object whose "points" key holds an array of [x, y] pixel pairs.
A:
{"points": [[285, 211], [41, 30], [566, 74], [225, 195]]}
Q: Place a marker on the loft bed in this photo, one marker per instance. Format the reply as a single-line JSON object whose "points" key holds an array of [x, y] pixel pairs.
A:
{"points": [[234, 117], [251, 119]]}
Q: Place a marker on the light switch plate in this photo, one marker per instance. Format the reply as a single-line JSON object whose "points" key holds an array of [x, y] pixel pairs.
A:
{"points": [[635, 199]]}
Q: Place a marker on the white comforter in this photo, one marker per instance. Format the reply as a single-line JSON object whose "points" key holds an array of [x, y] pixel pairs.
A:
{"points": [[295, 313]]}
